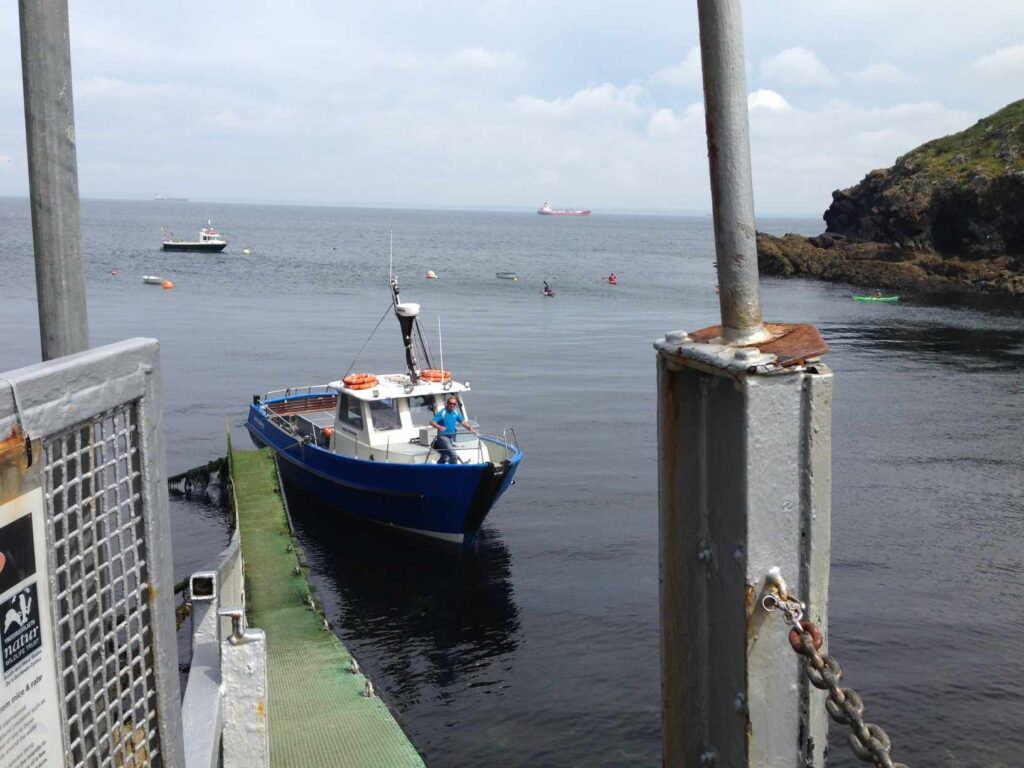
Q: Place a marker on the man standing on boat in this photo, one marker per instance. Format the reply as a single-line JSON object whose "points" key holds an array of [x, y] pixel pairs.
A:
{"points": [[447, 421]]}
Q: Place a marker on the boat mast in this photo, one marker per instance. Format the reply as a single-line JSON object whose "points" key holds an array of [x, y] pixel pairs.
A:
{"points": [[407, 320]]}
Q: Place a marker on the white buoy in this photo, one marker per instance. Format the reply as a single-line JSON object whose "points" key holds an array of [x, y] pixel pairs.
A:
{"points": [[431, 275]]}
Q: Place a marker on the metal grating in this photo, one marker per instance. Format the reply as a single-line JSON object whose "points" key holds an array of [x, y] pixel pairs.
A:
{"points": [[100, 587]]}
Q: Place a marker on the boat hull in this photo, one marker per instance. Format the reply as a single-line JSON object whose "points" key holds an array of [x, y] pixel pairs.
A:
{"points": [[447, 502], [564, 213], [198, 247]]}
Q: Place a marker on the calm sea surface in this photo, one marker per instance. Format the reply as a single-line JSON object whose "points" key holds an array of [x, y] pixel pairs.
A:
{"points": [[542, 647]]}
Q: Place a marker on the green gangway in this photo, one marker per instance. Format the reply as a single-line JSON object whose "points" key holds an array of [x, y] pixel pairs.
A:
{"points": [[318, 710]]}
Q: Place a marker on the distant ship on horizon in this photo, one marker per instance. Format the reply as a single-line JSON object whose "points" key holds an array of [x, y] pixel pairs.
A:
{"points": [[162, 199], [547, 210]]}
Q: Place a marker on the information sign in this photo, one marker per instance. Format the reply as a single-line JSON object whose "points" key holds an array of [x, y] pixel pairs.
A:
{"points": [[30, 725]]}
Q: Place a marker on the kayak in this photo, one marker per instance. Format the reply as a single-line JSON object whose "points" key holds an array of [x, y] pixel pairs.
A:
{"points": [[876, 298]]}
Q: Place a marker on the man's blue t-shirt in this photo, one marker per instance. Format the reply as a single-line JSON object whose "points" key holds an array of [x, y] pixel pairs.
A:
{"points": [[450, 419]]}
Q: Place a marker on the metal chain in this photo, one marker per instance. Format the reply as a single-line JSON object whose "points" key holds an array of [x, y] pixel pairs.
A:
{"points": [[868, 741]]}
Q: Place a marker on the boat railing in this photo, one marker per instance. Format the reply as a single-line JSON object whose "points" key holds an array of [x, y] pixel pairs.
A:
{"points": [[479, 438], [505, 434], [315, 389], [282, 422]]}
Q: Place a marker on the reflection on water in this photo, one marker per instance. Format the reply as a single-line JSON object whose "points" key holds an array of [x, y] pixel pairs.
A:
{"points": [[957, 347], [435, 615]]}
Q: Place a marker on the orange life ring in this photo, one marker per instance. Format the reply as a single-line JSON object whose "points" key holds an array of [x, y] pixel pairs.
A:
{"points": [[435, 374], [360, 381]]}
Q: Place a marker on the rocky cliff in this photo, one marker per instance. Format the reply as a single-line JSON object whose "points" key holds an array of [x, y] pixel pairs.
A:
{"points": [[948, 216]]}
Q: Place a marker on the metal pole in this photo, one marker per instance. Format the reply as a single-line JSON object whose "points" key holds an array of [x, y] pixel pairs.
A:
{"points": [[53, 177], [732, 195], [744, 482]]}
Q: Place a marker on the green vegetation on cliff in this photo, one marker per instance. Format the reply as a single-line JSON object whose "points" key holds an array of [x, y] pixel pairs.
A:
{"points": [[994, 146]]}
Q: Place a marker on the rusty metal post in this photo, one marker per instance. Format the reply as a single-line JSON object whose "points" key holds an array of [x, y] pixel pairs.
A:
{"points": [[732, 192], [53, 177], [744, 482]]}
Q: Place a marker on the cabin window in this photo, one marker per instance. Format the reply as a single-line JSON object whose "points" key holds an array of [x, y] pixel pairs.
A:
{"points": [[350, 413], [422, 409], [384, 415]]}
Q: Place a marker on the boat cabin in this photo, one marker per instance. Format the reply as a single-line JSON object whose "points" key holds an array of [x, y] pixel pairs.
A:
{"points": [[210, 235], [385, 418]]}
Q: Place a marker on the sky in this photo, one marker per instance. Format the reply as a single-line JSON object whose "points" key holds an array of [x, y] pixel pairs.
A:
{"points": [[499, 104]]}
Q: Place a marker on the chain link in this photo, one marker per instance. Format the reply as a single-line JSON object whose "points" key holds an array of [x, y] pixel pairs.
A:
{"points": [[868, 741]]}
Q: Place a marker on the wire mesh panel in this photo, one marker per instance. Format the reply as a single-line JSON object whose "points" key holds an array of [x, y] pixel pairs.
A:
{"points": [[95, 422], [101, 590]]}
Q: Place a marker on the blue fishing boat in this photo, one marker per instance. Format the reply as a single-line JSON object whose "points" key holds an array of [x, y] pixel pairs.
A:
{"points": [[364, 445]]}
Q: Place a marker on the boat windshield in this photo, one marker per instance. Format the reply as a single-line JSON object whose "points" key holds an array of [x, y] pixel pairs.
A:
{"points": [[384, 415], [350, 412], [423, 408]]}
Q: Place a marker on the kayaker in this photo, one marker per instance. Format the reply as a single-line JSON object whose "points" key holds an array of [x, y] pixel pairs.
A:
{"points": [[547, 289], [447, 421]]}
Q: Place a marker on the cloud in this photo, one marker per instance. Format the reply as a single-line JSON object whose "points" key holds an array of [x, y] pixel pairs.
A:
{"points": [[881, 74], [800, 156], [253, 119], [798, 67], [481, 60], [665, 123], [396, 62], [687, 73], [605, 99], [1000, 63], [768, 100], [112, 89]]}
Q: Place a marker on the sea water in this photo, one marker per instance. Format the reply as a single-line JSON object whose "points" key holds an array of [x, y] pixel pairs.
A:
{"points": [[541, 648]]}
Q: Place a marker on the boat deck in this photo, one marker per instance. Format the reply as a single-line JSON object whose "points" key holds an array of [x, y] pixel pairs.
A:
{"points": [[318, 712], [309, 416]]}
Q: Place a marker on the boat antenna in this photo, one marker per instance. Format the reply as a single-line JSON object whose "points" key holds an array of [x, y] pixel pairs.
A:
{"points": [[391, 260], [440, 346]]}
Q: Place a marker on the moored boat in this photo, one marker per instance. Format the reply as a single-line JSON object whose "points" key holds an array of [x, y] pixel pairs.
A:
{"points": [[364, 445], [547, 210], [506, 275], [210, 241]]}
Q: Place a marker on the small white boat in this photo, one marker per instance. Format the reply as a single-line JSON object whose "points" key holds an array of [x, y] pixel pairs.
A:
{"points": [[506, 275], [152, 280], [431, 274]]}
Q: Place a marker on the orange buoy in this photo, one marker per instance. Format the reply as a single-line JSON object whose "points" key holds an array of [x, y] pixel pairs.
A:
{"points": [[435, 374], [168, 285], [360, 381]]}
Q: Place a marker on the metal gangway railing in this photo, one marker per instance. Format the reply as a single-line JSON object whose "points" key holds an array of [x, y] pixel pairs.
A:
{"points": [[90, 651]]}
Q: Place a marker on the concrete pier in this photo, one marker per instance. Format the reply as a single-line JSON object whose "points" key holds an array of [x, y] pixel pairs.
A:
{"points": [[319, 713]]}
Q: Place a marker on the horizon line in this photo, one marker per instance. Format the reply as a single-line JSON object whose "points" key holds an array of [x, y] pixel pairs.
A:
{"points": [[377, 205]]}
